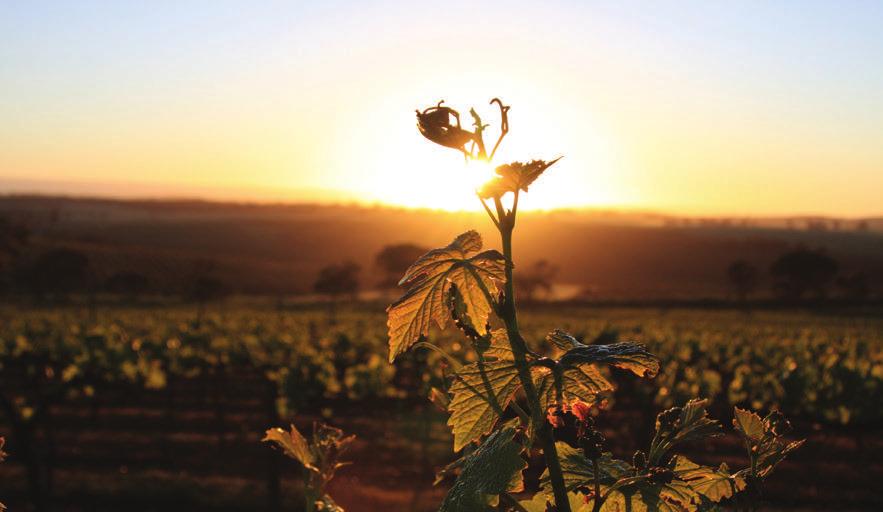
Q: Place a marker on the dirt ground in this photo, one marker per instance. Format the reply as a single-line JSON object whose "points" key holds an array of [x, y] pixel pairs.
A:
{"points": [[166, 451]]}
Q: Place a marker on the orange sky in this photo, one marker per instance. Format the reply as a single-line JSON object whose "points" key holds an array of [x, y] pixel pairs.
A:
{"points": [[745, 110]]}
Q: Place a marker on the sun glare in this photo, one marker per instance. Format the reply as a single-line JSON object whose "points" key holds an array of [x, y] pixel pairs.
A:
{"points": [[437, 183], [387, 160]]}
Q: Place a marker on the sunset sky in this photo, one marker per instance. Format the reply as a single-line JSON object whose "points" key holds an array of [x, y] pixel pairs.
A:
{"points": [[743, 108]]}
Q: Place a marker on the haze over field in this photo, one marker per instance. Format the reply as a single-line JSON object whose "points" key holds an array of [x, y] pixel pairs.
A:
{"points": [[280, 249], [747, 109]]}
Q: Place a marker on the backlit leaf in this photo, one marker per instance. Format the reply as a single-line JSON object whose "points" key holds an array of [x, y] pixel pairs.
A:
{"points": [[563, 340], [427, 282], [714, 484], [764, 441], [292, 444], [773, 454], [498, 346], [493, 468], [539, 500], [514, 176], [680, 425], [481, 392], [580, 379], [626, 355], [646, 496], [579, 471], [748, 424], [583, 383]]}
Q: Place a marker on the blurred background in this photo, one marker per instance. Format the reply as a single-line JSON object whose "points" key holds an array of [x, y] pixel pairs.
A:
{"points": [[205, 208]]}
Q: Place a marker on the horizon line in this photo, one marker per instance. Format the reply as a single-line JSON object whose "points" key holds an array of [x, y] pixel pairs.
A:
{"points": [[356, 203]]}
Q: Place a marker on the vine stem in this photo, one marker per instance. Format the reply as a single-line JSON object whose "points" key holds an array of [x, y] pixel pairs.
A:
{"points": [[432, 346], [597, 502], [507, 312], [510, 500]]}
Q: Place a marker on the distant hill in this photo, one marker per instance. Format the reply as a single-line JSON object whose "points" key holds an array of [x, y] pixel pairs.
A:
{"points": [[279, 248]]}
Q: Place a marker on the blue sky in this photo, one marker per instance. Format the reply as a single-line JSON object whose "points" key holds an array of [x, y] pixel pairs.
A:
{"points": [[705, 107]]}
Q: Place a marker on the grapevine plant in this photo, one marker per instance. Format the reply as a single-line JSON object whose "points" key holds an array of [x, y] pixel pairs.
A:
{"points": [[319, 457], [2, 457], [510, 404]]}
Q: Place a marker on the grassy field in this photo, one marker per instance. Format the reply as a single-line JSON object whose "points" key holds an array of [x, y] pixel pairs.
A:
{"points": [[154, 406]]}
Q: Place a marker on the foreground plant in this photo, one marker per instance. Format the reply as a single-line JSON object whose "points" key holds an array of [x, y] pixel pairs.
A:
{"points": [[509, 401], [320, 458], [2, 458], [476, 289]]}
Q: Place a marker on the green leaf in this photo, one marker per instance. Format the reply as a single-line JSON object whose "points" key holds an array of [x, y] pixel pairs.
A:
{"points": [[774, 453], [680, 425], [579, 471], [625, 355], [748, 424], [481, 392], [292, 444], [583, 383], [427, 282], [644, 495], [764, 441], [497, 346], [538, 503], [579, 378], [514, 176], [714, 484], [493, 468], [563, 340]]}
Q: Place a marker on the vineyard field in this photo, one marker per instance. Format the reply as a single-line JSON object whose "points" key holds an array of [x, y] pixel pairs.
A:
{"points": [[156, 404]]}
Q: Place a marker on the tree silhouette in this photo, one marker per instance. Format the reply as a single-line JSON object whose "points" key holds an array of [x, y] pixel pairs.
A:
{"points": [[57, 271], [743, 277], [536, 278], [395, 259], [203, 287], [803, 271], [335, 281], [129, 284], [854, 286], [13, 239], [338, 280]]}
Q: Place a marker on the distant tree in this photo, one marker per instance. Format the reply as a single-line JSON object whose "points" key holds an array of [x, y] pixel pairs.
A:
{"points": [[803, 271], [854, 286], [203, 286], [743, 277], [58, 271], [338, 280], [395, 259], [537, 278], [816, 225], [205, 289], [13, 237], [862, 226], [129, 284]]}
